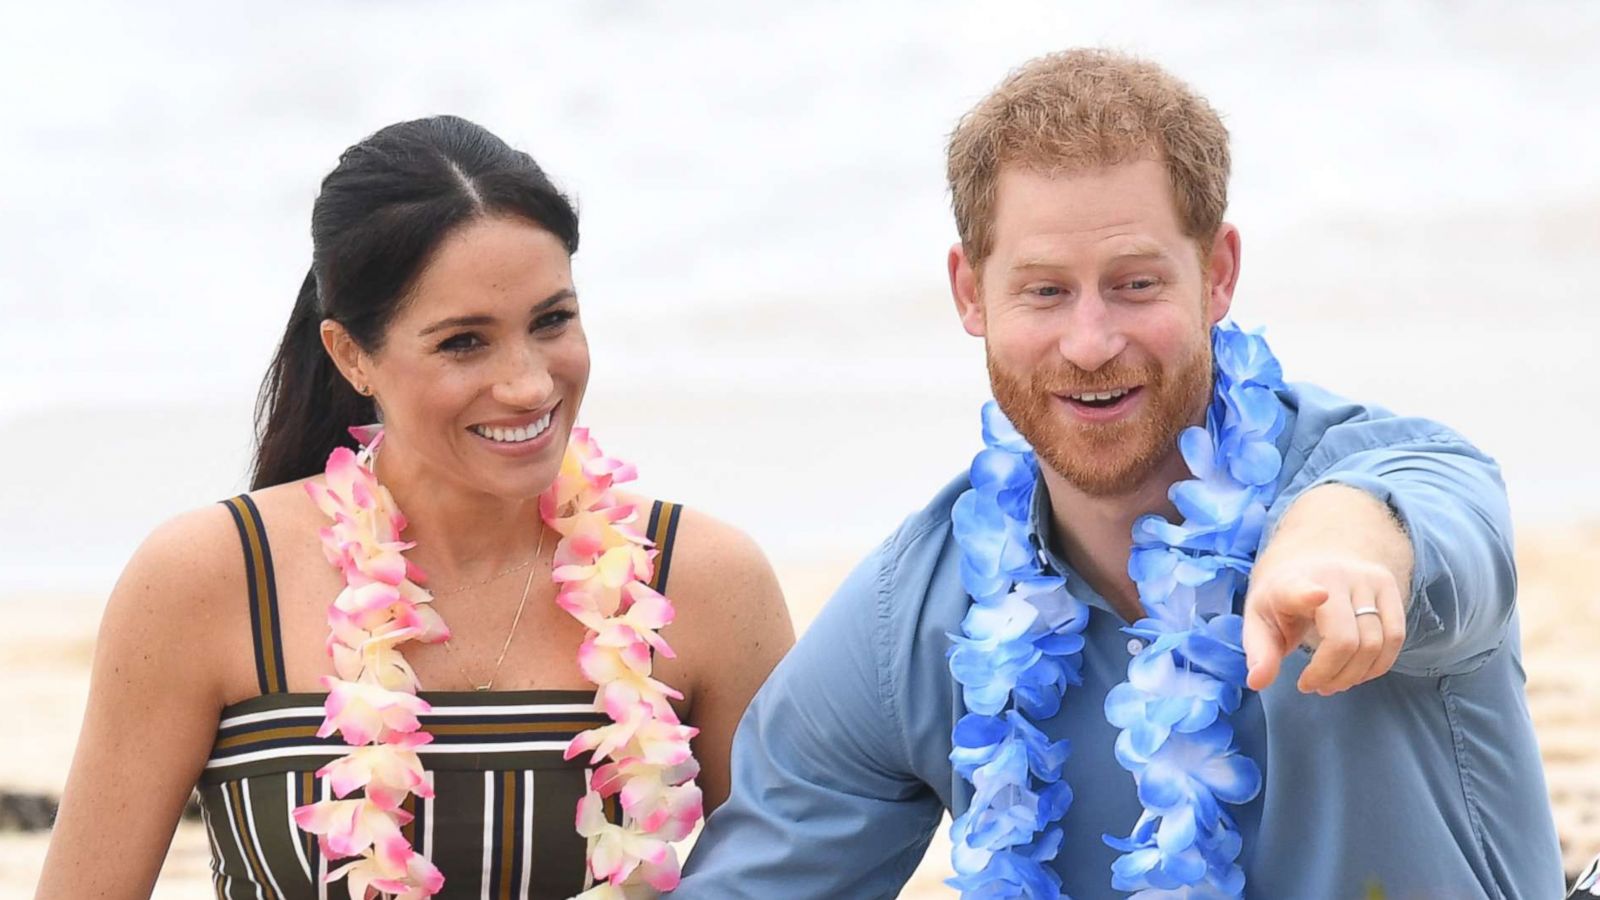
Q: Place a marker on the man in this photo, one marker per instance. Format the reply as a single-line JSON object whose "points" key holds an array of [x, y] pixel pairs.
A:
{"points": [[1382, 739]]}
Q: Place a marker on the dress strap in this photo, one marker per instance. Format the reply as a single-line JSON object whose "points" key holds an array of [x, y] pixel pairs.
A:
{"points": [[662, 531], [263, 593]]}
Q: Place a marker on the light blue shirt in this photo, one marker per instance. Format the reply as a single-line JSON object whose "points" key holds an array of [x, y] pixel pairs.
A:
{"points": [[1426, 781]]}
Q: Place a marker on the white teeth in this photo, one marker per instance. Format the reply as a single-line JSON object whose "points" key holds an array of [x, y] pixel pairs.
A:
{"points": [[1106, 395], [515, 435]]}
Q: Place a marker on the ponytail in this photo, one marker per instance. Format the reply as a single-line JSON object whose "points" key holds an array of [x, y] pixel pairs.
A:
{"points": [[306, 407]]}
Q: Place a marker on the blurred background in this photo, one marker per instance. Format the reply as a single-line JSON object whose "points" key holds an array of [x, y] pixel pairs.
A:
{"points": [[764, 225]]}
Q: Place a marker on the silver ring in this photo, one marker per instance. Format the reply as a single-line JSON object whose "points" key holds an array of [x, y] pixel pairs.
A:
{"points": [[1366, 610]]}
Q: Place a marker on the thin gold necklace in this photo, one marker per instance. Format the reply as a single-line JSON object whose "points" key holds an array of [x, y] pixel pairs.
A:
{"points": [[526, 587], [495, 577]]}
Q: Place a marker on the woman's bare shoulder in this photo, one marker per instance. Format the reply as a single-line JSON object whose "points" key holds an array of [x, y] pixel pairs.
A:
{"points": [[710, 552], [168, 618], [723, 585], [287, 501], [194, 562], [709, 556], [186, 557]]}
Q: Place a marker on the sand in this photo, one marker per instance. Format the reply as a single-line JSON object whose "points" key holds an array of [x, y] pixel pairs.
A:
{"points": [[45, 663]]}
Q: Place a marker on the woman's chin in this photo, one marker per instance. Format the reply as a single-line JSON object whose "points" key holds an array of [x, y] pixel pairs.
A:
{"points": [[508, 479], [526, 484]]}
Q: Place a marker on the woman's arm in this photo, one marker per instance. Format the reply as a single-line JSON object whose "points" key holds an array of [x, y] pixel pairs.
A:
{"points": [[154, 697], [731, 630]]}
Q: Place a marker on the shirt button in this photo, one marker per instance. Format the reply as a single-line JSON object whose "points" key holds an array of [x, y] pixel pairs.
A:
{"points": [[1134, 646]]}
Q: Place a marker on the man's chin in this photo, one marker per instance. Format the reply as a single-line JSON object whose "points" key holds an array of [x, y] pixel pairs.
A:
{"points": [[1106, 466], [1100, 483]]}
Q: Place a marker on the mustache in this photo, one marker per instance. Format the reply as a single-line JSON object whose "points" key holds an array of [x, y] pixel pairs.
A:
{"points": [[1067, 378]]}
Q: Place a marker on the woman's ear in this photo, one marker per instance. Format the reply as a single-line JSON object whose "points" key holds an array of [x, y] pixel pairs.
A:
{"points": [[347, 355]]}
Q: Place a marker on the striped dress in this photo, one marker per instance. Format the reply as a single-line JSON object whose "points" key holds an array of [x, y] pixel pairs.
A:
{"points": [[501, 822]]}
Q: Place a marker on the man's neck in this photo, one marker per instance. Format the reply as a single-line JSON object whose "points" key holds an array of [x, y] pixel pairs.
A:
{"points": [[1094, 534]]}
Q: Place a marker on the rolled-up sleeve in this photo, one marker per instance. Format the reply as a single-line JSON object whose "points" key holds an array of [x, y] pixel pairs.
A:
{"points": [[1451, 502], [823, 801]]}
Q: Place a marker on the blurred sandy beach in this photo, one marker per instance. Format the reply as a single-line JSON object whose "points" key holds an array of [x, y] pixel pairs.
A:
{"points": [[764, 223], [47, 667]]}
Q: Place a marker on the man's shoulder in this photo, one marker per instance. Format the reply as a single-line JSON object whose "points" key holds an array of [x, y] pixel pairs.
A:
{"points": [[1317, 409], [929, 525], [1326, 427], [910, 558], [879, 621], [897, 575]]}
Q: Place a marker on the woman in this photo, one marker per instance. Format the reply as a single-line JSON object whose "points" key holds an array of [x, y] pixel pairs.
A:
{"points": [[440, 302]]}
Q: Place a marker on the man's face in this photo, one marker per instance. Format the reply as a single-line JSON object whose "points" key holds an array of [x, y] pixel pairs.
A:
{"points": [[1096, 311]]}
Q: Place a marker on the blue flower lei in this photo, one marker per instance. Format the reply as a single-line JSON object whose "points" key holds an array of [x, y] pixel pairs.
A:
{"points": [[1020, 642]]}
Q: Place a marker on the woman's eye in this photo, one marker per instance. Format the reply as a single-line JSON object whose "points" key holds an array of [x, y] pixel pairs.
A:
{"points": [[553, 320], [461, 343]]}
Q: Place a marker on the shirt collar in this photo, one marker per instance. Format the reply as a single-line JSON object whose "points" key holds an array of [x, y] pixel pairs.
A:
{"points": [[1041, 529], [1041, 524]]}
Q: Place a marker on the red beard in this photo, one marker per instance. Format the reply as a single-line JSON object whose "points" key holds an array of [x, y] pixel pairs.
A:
{"points": [[1113, 458]]}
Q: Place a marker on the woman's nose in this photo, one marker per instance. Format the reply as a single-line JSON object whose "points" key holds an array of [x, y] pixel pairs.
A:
{"points": [[526, 384]]}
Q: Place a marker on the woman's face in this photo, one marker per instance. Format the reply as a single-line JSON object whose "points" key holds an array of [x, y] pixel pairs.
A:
{"points": [[482, 371]]}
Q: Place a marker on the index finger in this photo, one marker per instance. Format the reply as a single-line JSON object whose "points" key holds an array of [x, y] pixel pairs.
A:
{"points": [[1301, 599], [1264, 650]]}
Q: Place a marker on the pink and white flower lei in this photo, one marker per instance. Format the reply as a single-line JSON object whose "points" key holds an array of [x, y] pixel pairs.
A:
{"points": [[602, 568], [372, 699], [603, 565]]}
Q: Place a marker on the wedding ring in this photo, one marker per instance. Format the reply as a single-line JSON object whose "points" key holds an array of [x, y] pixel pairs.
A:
{"points": [[1366, 611]]}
